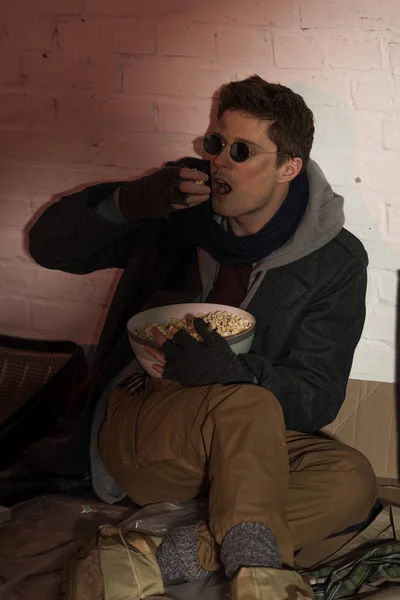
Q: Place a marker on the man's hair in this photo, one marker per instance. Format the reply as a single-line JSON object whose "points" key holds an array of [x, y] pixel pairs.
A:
{"points": [[292, 127]]}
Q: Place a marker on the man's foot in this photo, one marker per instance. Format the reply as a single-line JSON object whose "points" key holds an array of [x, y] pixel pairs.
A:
{"points": [[261, 583]]}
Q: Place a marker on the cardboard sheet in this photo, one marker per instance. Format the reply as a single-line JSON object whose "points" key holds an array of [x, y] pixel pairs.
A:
{"points": [[368, 421]]}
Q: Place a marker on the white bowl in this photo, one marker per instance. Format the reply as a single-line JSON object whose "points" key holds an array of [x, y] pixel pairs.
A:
{"points": [[240, 343]]}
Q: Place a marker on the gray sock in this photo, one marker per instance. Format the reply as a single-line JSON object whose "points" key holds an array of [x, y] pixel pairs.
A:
{"points": [[177, 555], [249, 545]]}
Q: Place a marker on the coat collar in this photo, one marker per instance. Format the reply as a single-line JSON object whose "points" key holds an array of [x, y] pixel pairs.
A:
{"points": [[277, 289]]}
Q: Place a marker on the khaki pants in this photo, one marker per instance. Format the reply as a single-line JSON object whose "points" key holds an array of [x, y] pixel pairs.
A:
{"points": [[171, 443]]}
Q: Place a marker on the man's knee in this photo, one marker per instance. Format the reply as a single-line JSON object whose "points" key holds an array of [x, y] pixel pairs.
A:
{"points": [[356, 489], [254, 399]]}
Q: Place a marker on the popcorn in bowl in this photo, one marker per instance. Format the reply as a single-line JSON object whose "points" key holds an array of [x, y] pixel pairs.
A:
{"points": [[223, 322], [236, 325]]}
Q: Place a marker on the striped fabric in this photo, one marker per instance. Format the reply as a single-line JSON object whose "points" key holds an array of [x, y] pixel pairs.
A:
{"points": [[330, 583], [22, 374]]}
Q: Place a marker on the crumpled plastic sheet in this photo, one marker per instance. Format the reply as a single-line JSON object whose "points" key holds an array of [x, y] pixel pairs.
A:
{"points": [[158, 519], [46, 531]]}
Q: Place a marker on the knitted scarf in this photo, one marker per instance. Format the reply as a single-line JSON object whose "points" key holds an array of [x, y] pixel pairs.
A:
{"points": [[230, 249]]}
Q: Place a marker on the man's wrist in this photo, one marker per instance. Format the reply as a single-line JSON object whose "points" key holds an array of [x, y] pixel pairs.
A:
{"points": [[237, 371]]}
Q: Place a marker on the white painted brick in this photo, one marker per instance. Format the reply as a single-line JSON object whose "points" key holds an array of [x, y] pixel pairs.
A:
{"points": [[136, 153], [35, 198], [31, 34], [368, 127], [105, 114], [383, 254], [347, 53], [46, 7], [139, 8], [374, 361], [44, 148], [83, 36], [104, 287], [381, 326], [383, 285], [3, 18], [65, 318], [59, 70], [133, 37], [378, 305], [12, 244], [382, 176], [359, 14], [340, 169], [252, 12], [27, 112], [183, 117], [80, 178], [186, 40], [365, 232], [13, 313], [334, 126], [63, 286], [17, 280], [388, 285], [14, 212], [393, 219], [321, 90], [244, 48], [394, 55], [391, 135], [362, 207], [10, 68], [375, 95], [298, 53], [372, 298], [31, 178], [90, 35], [173, 76]]}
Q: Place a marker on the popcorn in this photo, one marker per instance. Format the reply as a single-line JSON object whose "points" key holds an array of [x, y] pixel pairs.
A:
{"points": [[223, 322], [198, 181]]}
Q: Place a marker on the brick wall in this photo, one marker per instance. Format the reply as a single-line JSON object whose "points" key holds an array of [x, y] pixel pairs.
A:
{"points": [[95, 90]]}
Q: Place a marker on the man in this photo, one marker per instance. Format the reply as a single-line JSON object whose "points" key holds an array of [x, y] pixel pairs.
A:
{"points": [[270, 240]]}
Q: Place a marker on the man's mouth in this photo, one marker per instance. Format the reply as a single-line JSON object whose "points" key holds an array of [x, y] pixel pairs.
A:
{"points": [[220, 187]]}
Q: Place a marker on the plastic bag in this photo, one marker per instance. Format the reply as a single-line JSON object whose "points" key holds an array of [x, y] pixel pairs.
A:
{"points": [[158, 519]]}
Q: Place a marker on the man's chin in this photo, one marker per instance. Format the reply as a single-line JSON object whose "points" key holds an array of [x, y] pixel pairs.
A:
{"points": [[223, 208]]}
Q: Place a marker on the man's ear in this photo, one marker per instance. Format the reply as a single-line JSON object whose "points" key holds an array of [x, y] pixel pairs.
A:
{"points": [[289, 170]]}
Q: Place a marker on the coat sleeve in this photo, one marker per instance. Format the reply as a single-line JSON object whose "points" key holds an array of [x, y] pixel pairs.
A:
{"points": [[71, 236], [310, 380], [86, 231]]}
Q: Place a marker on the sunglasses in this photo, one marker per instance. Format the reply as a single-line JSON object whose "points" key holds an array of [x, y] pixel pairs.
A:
{"points": [[239, 151]]}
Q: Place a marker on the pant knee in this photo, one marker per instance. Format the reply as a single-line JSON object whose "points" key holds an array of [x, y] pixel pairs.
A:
{"points": [[255, 399], [356, 487]]}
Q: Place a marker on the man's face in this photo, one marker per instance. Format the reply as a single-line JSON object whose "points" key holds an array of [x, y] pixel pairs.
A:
{"points": [[254, 182]]}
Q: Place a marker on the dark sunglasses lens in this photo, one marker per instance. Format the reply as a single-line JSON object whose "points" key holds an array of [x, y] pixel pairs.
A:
{"points": [[240, 152], [212, 144]]}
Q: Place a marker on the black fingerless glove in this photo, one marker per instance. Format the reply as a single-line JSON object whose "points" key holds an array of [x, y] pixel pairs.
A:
{"points": [[152, 196], [193, 363]]}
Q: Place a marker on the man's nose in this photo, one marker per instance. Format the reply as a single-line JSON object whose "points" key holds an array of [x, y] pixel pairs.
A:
{"points": [[223, 159]]}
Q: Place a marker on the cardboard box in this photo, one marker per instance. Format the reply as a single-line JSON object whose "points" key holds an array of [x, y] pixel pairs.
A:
{"points": [[368, 421], [389, 491]]}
